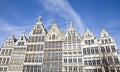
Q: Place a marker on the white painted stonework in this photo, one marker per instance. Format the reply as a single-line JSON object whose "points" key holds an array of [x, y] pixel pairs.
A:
{"points": [[57, 51]]}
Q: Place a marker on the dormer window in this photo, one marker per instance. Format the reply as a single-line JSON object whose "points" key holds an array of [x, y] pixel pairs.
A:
{"points": [[102, 41], [109, 40], [106, 41], [40, 31], [53, 37], [104, 35]]}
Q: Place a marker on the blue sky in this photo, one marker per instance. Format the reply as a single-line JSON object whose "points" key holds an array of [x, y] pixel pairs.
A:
{"points": [[16, 15]]}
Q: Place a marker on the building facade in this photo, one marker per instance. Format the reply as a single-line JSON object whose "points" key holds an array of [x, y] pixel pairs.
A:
{"points": [[72, 53], [18, 55], [56, 51]]}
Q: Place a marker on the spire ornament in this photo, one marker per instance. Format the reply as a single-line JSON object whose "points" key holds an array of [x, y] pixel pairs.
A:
{"points": [[39, 18]]}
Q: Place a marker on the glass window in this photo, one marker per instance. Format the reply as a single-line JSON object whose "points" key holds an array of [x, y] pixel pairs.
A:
{"points": [[96, 50], [113, 48], [92, 41], [79, 60], [95, 70], [84, 51], [102, 41], [102, 50], [98, 62], [90, 62], [86, 42], [70, 60], [92, 50], [109, 40], [65, 68], [110, 60], [99, 70], [118, 69], [89, 42], [70, 68], [106, 41], [75, 69], [3, 51], [94, 62], [75, 60], [1, 69], [86, 63], [116, 61], [88, 50], [112, 69], [65, 60], [53, 37], [107, 49]]}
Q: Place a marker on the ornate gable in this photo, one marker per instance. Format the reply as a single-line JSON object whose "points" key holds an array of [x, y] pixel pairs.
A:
{"points": [[10, 40], [38, 29], [104, 33], [88, 34], [22, 40], [71, 34], [105, 38], [54, 33]]}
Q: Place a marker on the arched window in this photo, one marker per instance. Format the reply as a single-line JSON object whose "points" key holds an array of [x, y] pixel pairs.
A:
{"points": [[53, 37]]}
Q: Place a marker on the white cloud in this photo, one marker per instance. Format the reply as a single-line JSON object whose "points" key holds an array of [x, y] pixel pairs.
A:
{"points": [[5, 26], [63, 8]]}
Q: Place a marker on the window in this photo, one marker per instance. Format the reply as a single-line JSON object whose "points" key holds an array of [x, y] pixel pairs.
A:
{"points": [[84, 50], [113, 48], [70, 68], [65, 60], [3, 52], [116, 61], [7, 61], [40, 32], [109, 40], [98, 62], [102, 50], [75, 69], [65, 68], [88, 50], [86, 42], [1, 69], [95, 70], [53, 37], [80, 69], [79, 60], [107, 49], [96, 50], [112, 69], [90, 62], [102, 41], [92, 41], [89, 42], [94, 62], [92, 50], [106, 41], [5, 69], [118, 69], [85, 62], [75, 60], [110, 60], [99, 70], [70, 60], [0, 60]]}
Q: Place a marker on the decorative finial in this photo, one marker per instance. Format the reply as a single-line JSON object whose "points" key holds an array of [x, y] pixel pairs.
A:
{"points": [[70, 22], [54, 22], [12, 33], [23, 32], [39, 18]]}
